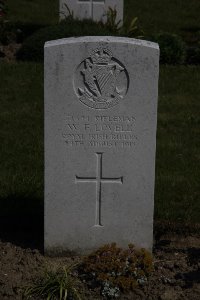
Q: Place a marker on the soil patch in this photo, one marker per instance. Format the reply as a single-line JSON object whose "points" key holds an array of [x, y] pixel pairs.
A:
{"points": [[176, 275]]}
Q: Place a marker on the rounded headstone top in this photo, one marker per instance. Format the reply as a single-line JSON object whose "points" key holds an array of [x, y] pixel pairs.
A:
{"points": [[96, 39]]}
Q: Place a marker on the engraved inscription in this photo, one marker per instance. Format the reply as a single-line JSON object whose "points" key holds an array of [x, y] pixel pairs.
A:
{"points": [[100, 131], [101, 81], [98, 180]]}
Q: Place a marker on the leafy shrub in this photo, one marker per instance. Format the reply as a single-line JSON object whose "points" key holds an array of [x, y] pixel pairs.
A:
{"points": [[6, 35], [127, 29], [32, 48], [24, 30], [172, 48], [193, 55], [16, 31], [3, 21], [3, 9], [116, 27], [115, 269]]}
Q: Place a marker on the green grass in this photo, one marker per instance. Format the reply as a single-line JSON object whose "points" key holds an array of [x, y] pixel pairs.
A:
{"points": [[21, 151], [178, 161], [177, 196], [164, 15], [154, 15], [53, 285]]}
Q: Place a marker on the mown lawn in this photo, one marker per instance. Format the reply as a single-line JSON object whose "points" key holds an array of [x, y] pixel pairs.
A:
{"points": [[21, 133], [172, 16], [177, 196], [177, 193]]}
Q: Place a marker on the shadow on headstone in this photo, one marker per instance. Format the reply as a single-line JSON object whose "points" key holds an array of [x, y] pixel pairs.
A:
{"points": [[21, 221]]}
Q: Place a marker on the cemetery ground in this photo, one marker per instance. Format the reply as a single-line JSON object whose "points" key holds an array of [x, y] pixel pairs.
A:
{"points": [[175, 276], [176, 250]]}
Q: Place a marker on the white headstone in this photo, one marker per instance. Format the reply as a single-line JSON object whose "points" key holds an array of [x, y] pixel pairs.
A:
{"points": [[100, 142], [91, 9]]}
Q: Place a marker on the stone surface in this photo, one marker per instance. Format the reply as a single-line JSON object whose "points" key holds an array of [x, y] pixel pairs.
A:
{"points": [[94, 9], [100, 142]]}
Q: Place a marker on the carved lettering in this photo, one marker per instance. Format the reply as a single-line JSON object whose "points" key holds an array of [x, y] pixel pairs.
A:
{"points": [[100, 131], [73, 127]]}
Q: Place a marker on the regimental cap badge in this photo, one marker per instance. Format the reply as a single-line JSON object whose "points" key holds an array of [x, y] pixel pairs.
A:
{"points": [[101, 56], [101, 81]]}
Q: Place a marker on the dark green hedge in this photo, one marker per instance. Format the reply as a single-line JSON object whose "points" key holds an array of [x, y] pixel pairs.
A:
{"points": [[16, 31], [32, 48], [193, 55], [172, 48]]}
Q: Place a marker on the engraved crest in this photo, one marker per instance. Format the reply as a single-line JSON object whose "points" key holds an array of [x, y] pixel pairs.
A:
{"points": [[101, 81]]}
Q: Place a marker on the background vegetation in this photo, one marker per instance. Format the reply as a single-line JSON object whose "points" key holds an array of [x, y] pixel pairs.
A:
{"points": [[177, 195], [37, 12], [173, 16]]}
